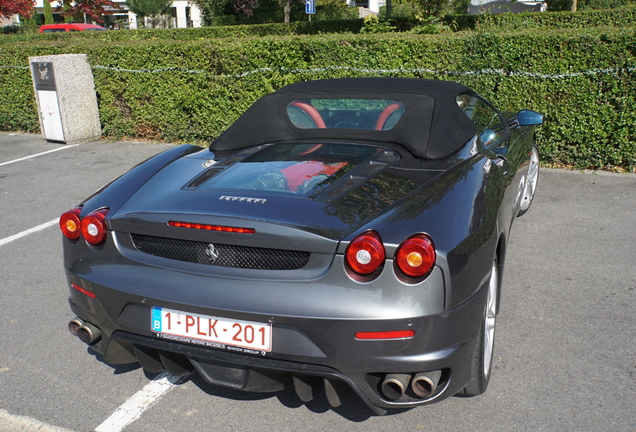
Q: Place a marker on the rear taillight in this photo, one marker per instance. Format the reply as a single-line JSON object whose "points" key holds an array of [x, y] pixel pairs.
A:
{"points": [[94, 227], [416, 256], [91, 227], [365, 254], [70, 224]]}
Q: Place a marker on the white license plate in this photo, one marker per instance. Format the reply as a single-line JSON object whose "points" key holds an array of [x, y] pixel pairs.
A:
{"points": [[245, 334]]}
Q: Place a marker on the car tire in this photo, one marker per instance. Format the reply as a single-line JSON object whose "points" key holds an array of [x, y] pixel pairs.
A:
{"points": [[531, 182], [481, 363]]}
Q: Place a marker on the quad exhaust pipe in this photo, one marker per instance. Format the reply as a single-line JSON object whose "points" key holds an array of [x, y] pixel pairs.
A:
{"points": [[394, 385], [422, 384], [425, 384], [86, 332]]}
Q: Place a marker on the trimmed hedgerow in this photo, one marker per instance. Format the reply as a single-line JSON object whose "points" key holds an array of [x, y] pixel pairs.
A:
{"points": [[584, 80], [619, 18]]}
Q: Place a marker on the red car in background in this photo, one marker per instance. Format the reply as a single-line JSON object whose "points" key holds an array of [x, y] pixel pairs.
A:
{"points": [[69, 27]]}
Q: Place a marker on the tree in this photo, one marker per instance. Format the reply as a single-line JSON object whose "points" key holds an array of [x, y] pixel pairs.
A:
{"points": [[95, 9], [149, 8], [48, 12], [8, 8], [245, 7], [209, 9], [287, 8], [212, 10]]}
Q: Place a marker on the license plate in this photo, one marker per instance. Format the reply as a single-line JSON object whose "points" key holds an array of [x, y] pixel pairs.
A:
{"points": [[244, 334]]}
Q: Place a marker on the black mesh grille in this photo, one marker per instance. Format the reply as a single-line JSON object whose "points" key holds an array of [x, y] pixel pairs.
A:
{"points": [[219, 254]]}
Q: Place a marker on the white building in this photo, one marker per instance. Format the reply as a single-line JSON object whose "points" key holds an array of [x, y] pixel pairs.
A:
{"points": [[184, 14], [503, 6], [367, 7], [9, 21]]}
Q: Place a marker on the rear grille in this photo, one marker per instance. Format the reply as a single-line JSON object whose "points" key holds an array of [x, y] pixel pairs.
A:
{"points": [[220, 254]]}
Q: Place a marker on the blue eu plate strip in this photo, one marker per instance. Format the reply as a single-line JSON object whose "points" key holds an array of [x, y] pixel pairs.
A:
{"points": [[156, 319]]}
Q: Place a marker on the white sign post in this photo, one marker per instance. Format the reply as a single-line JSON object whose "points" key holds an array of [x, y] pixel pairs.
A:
{"points": [[310, 8]]}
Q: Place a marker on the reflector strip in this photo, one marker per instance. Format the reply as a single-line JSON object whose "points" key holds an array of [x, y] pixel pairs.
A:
{"points": [[399, 334], [84, 291], [211, 227]]}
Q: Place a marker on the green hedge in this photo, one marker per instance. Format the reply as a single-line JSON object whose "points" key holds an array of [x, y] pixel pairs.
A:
{"points": [[226, 31], [583, 80], [619, 18]]}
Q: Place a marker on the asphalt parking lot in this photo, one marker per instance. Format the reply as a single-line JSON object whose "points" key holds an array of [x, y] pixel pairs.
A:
{"points": [[565, 356]]}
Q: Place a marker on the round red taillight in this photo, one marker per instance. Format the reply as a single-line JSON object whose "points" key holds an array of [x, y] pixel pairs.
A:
{"points": [[94, 227], [70, 224], [416, 255], [365, 254]]}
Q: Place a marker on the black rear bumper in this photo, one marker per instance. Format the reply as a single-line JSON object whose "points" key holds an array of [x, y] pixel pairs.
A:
{"points": [[264, 375], [260, 373], [309, 353]]}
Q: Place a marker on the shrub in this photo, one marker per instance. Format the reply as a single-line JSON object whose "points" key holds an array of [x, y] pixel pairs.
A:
{"points": [[189, 86]]}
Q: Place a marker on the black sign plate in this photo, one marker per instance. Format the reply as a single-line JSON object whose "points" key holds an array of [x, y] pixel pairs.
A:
{"points": [[43, 75]]}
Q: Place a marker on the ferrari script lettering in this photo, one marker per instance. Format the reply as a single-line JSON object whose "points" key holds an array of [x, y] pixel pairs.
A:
{"points": [[243, 199]]}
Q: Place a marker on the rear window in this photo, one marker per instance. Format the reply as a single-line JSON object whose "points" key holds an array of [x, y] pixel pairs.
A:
{"points": [[368, 114], [299, 169]]}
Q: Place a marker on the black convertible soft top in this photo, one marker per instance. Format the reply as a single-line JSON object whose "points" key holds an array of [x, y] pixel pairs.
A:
{"points": [[432, 127]]}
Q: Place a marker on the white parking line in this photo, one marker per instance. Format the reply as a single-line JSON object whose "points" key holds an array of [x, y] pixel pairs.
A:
{"points": [[17, 236], [15, 423], [127, 413], [44, 225], [38, 154], [132, 409]]}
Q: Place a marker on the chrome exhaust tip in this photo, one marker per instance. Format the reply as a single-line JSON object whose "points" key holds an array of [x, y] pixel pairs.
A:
{"points": [[74, 325], [394, 385], [424, 384], [88, 333]]}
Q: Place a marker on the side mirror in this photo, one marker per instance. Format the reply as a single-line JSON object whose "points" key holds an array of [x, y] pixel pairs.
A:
{"points": [[529, 118]]}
